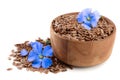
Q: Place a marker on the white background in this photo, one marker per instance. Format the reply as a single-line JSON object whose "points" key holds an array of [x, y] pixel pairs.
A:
{"points": [[22, 20]]}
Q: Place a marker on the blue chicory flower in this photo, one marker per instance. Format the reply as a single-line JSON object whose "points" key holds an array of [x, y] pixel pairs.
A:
{"points": [[88, 18], [39, 56]]}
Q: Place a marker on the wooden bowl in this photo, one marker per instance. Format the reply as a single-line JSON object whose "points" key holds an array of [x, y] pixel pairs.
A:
{"points": [[82, 53]]}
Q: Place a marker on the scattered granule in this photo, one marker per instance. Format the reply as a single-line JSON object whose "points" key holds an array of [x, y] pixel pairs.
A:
{"points": [[9, 58], [21, 62], [9, 69]]}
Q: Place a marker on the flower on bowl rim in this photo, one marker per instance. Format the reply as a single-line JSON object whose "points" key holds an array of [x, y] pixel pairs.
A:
{"points": [[88, 18], [39, 55]]}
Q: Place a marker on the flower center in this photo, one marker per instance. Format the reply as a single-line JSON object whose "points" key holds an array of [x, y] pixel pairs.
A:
{"points": [[88, 18], [41, 56]]}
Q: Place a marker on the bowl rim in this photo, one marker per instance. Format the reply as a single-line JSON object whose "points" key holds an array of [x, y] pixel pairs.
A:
{"points": [[114, 31]]}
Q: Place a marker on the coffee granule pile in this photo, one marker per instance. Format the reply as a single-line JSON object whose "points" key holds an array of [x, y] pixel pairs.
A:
{"points": [[68, 27], [21, 62]]}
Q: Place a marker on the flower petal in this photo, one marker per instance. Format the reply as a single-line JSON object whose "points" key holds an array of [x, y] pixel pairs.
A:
{"points": [[80, 17], [36, 63], [97, 15], [23, 52], [46, 62], [37, 46], [87, 11], [48, 51], [95, 18], [94, 23], [86, 26], [32, 56]]}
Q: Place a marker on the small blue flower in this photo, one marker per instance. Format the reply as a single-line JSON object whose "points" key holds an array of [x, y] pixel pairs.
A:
{"points": [[39, 55], [88, 18]]}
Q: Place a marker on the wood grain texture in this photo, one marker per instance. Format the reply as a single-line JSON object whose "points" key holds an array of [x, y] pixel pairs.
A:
{"points": [[82, 54]]}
